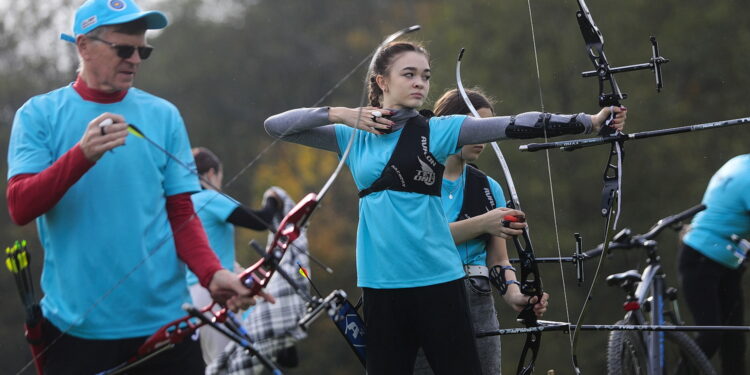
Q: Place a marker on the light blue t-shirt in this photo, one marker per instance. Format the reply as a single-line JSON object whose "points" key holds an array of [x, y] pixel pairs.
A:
{"points": [[213, 210], [472, 252], [728, 212], [110, 265], [403, 239]]}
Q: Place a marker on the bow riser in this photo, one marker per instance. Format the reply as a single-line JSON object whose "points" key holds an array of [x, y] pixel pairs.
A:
{"points": [[531, 284], [257, 276]]}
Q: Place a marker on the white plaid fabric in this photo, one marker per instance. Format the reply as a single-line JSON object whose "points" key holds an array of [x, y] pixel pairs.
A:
{"points": [[272, 327]]}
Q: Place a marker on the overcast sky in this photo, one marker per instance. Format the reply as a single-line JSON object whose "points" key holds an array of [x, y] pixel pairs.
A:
{"points": [[39, 24]]}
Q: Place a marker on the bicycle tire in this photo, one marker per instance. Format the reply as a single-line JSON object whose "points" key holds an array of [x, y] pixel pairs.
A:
{"points": [[627, 354]]}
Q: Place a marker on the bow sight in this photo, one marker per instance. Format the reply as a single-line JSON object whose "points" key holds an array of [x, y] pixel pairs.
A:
{"points": [[594, 40]]}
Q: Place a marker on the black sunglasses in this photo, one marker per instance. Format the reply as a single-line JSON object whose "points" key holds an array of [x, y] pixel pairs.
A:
{"points": [[124, 51]]}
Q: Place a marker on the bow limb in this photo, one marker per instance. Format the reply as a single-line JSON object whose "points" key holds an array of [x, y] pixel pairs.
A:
{"points": [[531, 282], [610, 95], [178, 330], [164, 339], [594, 40], [503, 163]]}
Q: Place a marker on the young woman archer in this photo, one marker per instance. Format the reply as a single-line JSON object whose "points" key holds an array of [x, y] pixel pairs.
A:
{"points": [[407, 263]]}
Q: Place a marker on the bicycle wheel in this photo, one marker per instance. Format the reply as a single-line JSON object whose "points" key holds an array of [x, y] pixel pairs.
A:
{"points": [[684, 356], [627, 354]]}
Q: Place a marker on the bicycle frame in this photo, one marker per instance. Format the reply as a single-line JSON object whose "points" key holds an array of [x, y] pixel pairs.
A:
{"points": [[652, 285], [651, 291]]}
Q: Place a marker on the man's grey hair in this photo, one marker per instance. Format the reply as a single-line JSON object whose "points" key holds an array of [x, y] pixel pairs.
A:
{"points": [[96, 33]]}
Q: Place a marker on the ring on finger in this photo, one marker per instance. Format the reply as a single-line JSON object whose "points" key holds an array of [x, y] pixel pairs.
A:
{"points": [[101, 130]]}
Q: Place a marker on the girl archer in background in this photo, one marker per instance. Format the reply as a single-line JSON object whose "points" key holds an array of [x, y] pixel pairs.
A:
{"points": [[473, 215]]}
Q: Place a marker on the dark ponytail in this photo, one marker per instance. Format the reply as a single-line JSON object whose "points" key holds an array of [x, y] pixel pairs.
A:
{"points": [[205, 160], [382, 66]]}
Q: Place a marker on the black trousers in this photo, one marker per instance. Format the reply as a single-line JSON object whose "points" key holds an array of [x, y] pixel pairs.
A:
{"points": [[435, 317], [68, 354], [714, 296]]}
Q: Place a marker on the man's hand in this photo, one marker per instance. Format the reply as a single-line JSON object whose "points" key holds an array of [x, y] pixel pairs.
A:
{"points": [[227, 290], [98, 139]]}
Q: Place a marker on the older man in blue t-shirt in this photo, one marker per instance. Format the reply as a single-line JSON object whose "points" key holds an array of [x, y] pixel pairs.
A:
{"points": [[115, 219]]}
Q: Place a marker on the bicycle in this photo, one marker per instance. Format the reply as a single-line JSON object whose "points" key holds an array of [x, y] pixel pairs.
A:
{"points": [[643, 351], [650, 339]]}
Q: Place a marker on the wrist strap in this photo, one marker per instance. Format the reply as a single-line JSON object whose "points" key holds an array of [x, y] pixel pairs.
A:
{"points": [[497, 277]]}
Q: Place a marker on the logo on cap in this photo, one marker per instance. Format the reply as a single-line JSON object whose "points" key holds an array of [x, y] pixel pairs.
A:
{"points": [[88, 22], [116, 4]]}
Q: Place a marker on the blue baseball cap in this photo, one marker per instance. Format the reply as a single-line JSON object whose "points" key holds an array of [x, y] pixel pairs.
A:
{"points": [[95, 13]]}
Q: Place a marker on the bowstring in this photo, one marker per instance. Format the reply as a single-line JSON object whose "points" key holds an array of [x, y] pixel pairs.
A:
{"points": [[549, 175]]}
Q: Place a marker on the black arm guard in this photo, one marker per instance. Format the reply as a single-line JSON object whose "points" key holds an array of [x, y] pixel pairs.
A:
{"points": [[553, 128], [497, 277], [254, 219]]}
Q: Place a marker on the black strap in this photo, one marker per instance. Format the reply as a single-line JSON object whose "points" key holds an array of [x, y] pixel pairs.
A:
{"points": [[478, 197], [497, 277], [412, 167]]}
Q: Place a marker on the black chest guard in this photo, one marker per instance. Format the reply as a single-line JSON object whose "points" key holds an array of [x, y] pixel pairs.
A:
{"points": [[478, 197], [412, 167]]}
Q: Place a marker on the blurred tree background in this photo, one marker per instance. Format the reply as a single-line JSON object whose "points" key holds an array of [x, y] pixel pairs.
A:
{"points": [[229, 64]]}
